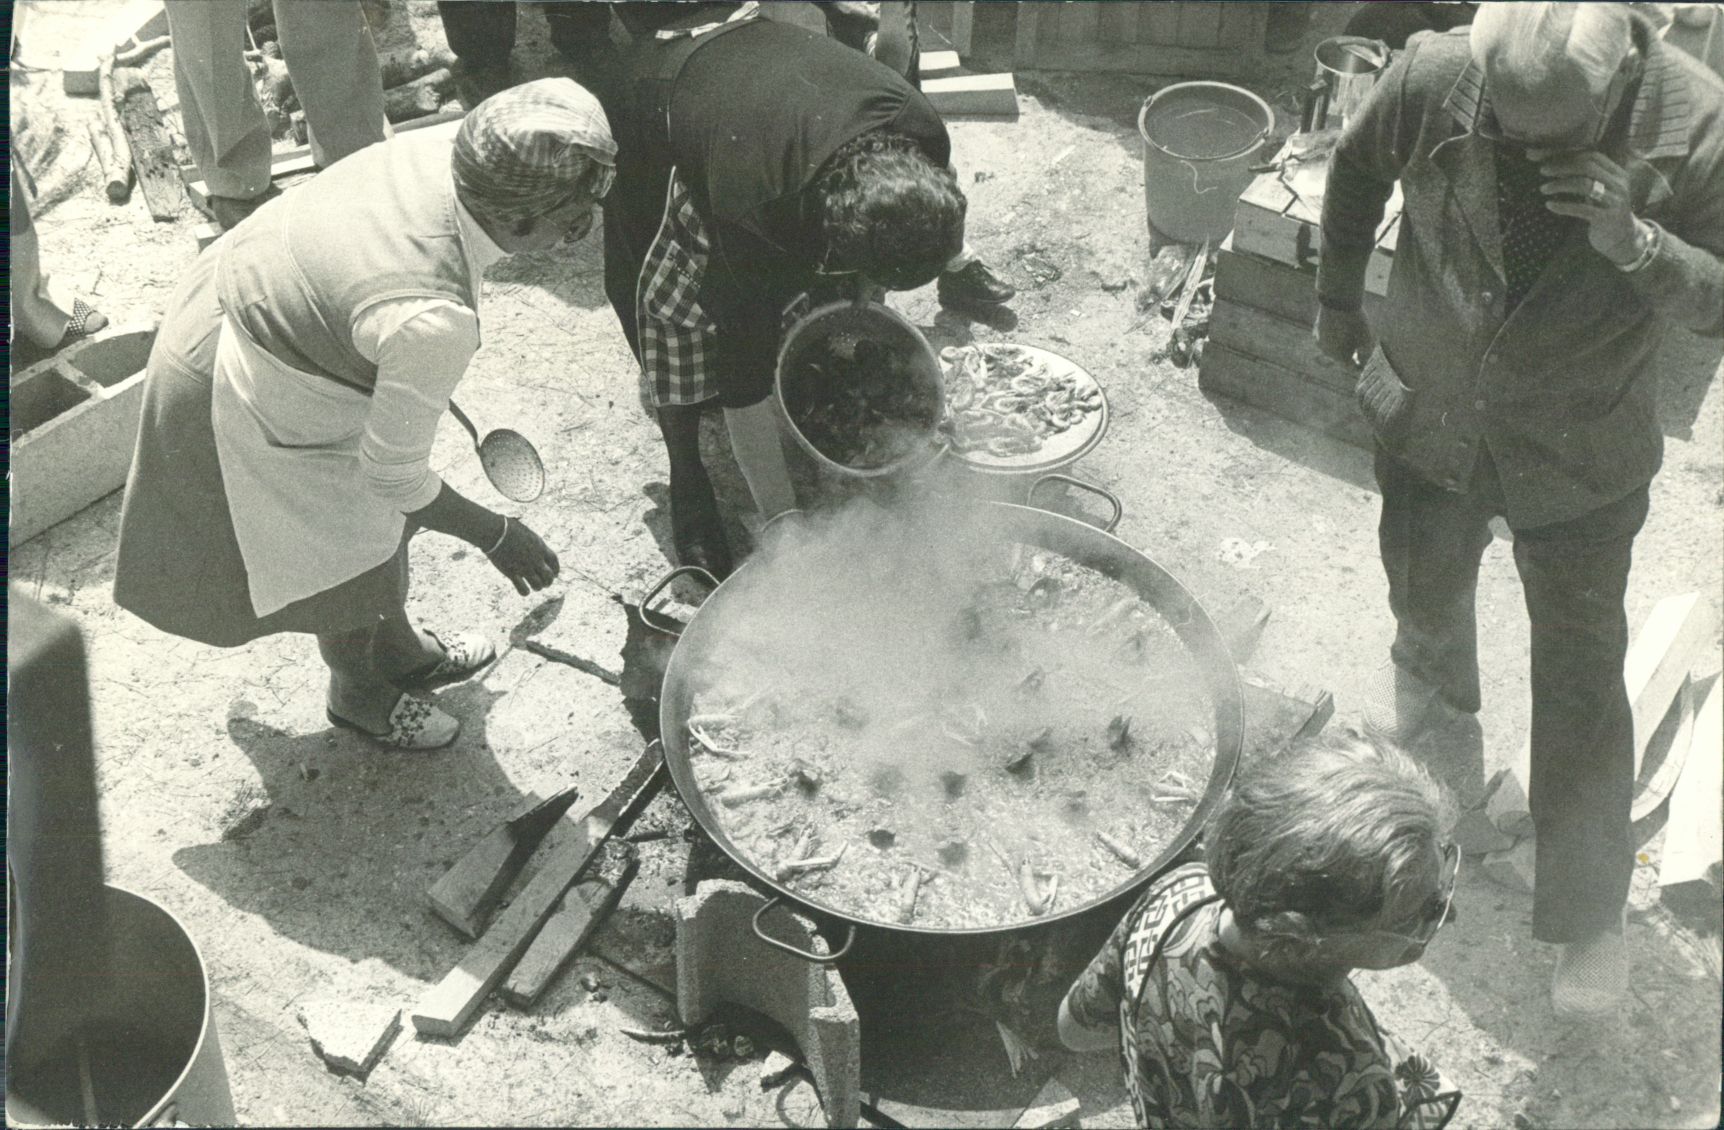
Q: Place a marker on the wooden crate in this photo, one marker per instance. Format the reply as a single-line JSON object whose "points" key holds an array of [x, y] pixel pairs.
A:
{"points": [[1273, 223], [1291, 395], [1199, 40]]}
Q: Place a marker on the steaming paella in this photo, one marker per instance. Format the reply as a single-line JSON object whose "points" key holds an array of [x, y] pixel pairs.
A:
{"points": [[1025, 751]]}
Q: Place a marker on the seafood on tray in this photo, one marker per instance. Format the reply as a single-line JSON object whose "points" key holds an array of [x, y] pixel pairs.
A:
{"points": [[1006, 400]]}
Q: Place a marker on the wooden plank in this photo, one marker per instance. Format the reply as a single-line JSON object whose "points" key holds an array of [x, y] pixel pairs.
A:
{"points": [[446, 1007], [465, 895], [1263, 384], [1158, 24], [1137, 58], [1694, 835], [1275, 288], [1199, 25], [1028, 43], [584, 910], [1078, 23], [1677, 633], [973, 95], [963, 25], [1117, 24], [1288, 343], [1672, 743], [152, 144], [938, 64]]}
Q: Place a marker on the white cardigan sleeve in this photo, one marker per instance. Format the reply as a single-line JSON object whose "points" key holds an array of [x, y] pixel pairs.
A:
{"points": [[421, 348]]}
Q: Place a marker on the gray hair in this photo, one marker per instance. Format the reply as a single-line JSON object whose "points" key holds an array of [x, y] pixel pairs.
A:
{"points": [[1336, 831], [1537, 48]]}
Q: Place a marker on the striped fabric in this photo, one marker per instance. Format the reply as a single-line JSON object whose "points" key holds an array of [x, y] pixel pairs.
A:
{"points": [[532, 148], [676, 335]]}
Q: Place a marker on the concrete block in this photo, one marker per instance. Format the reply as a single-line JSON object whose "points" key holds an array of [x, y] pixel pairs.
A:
{"points": [[1513, 868], [776, 1068], [350, 1038], [1053, 1106], [719, 959], [74, 423]]}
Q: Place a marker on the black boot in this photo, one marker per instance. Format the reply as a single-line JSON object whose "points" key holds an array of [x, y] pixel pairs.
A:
{"points": [[696, 532], [974, 285]]}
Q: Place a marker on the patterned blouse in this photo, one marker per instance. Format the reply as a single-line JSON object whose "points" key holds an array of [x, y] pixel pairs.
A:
{"points": [[1214, 1045]]}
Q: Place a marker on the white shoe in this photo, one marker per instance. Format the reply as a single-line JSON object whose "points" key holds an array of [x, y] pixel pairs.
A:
{"points": [[1398, 704], [415, 723], [1592, 975]]}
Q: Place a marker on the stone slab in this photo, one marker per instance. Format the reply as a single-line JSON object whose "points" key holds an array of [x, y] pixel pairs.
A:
{"points": [[349, 1037]]}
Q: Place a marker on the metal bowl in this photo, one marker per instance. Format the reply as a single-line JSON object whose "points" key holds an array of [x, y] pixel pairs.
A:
{"points": [[827, 326]]}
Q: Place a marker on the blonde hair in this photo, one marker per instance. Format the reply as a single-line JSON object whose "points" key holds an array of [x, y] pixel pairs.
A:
{"points": [[1335, 831]]}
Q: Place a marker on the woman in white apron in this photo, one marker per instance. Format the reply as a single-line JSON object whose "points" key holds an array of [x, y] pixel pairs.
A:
{"points": [[296, 386]]}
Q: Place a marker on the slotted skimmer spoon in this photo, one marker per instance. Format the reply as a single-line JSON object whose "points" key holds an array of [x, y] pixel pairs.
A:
{"points": [[510, 460]]}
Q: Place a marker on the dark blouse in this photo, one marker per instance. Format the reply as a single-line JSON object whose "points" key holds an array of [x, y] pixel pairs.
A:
{"points": [[754, 116]]}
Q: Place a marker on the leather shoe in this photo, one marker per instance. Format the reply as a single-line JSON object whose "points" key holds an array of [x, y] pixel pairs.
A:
{"points": [[975, 284], [697, 535]]}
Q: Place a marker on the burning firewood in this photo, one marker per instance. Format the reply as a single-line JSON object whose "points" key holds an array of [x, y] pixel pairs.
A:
{"points": [[794, 867], [744, 794]]}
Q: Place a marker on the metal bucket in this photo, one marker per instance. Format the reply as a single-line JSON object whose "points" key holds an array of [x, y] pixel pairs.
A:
{"points": [[863, 321], [1348, 66], [149, 1055], [1200, 140]]}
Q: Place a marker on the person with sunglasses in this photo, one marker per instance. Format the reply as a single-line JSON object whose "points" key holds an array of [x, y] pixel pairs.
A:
{"points": [[759, 162], [1226, 987], [293, 394], [1563, 178]]}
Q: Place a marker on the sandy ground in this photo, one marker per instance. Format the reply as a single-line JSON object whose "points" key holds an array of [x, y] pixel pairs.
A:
{"points": [[322, 895]]}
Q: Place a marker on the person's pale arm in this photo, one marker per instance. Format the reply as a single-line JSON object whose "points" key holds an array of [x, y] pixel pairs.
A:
{"points": [[1080, 1037], [755, 440]]}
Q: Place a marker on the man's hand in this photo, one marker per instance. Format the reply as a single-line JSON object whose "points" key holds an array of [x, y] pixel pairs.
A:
{"points": [[1344, 335], [1590, 186]]}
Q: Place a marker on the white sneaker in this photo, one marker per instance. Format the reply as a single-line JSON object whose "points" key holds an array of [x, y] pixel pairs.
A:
{"points": [[1398, 704], [1592, 975]]}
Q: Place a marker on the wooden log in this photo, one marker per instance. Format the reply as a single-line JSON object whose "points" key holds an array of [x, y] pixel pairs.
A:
{"points": [[399, 67], [1694, 835], [116, 178], [974, 95], [583, 911], [424, 95], [107, 106], [152, 144], [1677, 633]]}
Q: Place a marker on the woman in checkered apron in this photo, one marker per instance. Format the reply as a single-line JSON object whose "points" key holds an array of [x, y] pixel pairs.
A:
{"points": [[758, 162], [1226, 987]]}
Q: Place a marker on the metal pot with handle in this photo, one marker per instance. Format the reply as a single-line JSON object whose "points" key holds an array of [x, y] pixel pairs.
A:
{"points": [[1080, 542]]}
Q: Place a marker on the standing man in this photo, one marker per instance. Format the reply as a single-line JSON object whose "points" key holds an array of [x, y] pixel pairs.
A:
{"points": [[332, 60], [1563, 174]]}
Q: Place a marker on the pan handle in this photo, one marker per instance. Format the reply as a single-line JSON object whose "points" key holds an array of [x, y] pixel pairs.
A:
{"points": [[668, 626], [1115, 507], [815, 958]]}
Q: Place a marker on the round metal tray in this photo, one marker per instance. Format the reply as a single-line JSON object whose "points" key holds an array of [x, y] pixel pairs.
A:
{"points": [[1057, 451]]}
